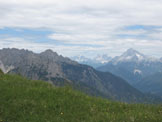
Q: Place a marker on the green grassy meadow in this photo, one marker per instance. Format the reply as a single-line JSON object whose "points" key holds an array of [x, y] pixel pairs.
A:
{"points": [[23, 100]]}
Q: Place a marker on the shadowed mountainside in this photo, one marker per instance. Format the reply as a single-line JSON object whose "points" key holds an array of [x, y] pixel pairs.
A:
{"points": [[50, 66]]}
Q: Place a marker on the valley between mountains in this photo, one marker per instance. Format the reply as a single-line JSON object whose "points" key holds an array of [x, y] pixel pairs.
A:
{"points": [[40, 87], [139, 70], [62, 71]]}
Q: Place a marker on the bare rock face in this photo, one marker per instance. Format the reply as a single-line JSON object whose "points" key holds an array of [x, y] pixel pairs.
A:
{"points": [[35, 66], [49, 66]]}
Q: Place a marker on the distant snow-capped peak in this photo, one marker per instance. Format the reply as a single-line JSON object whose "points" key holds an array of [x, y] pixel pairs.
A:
{"points": [[103, 58], [80, 58], [132, 55], [98, 59]]}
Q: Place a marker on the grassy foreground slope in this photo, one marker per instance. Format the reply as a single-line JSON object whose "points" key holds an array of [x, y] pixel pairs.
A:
{"points": [[23, 100]]}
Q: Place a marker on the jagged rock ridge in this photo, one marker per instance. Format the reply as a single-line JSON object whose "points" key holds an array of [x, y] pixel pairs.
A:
{"points": [[50, 66]]}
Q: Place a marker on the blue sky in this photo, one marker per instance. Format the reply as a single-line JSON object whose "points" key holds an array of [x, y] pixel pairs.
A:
{"points": [[82, 27]]}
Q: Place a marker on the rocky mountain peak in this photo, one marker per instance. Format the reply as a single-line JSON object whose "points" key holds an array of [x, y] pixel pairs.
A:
{"points": [[131, 55], [131, 52], [49, 54]]}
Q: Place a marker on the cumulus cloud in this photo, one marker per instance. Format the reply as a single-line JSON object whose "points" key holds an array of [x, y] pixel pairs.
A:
{"points": [[97, 23]]}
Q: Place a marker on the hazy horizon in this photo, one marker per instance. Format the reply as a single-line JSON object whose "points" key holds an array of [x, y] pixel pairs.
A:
{"points": [[90, 57]]}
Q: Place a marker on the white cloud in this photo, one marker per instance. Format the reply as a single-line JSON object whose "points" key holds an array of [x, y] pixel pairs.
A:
{"points": [[92, 39], [93, 22], [49, 13], [20, 43], [112, 48]]}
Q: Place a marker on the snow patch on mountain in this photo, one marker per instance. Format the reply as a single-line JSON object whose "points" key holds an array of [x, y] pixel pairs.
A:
{"points": [[5, 69], [102, 58], [80, 58], [137, 71], [139, 56], [98, 59]]}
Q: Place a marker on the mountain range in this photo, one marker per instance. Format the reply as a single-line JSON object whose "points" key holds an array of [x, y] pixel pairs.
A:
{"points": [[95, 62], [59, 70], [134, 67]]}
